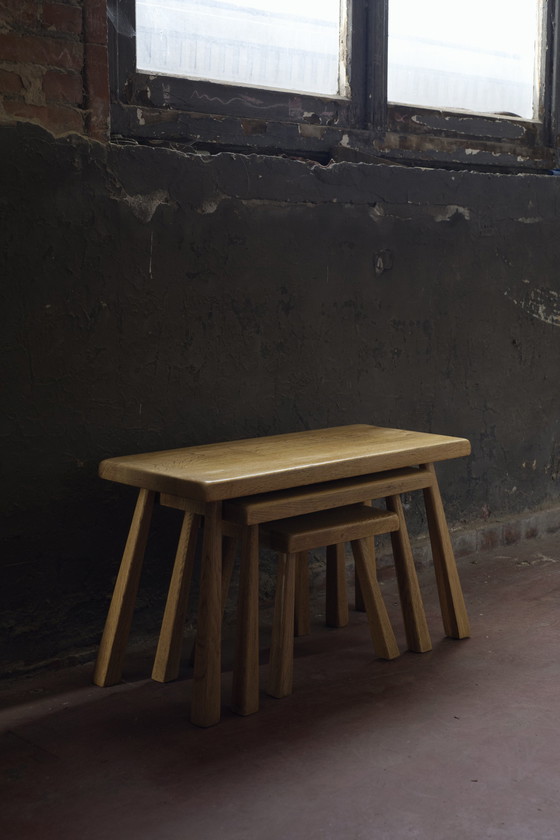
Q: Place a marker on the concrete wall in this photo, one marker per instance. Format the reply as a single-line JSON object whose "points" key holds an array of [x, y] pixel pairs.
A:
{"points": [[151, 299]]}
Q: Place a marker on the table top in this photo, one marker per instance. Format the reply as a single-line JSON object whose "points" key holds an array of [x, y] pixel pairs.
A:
{"points": [[219, 471]]}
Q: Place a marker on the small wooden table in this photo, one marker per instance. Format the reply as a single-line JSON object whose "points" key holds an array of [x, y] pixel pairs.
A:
{"points": [[213, 473]]}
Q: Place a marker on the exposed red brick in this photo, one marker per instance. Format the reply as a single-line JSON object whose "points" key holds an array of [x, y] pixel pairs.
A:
{"points": [[55, 118], [63, 18], [95, 21], [97, 123], [10, 82], [96, 74], [96, 71], [52, 52], [63, 87]]}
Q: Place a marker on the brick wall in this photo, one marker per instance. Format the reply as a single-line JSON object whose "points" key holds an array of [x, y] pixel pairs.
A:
{"points": [[53, 65]]}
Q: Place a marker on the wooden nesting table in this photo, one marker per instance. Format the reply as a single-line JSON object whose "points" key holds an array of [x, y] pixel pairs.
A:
{"points": [[212, 474]]}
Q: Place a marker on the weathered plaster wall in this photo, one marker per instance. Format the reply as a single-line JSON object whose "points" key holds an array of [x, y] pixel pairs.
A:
{"points": [[152, 300]]}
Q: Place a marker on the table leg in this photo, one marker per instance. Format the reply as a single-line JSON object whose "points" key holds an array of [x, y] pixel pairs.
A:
{"points": [[229, 549], [206, 693], [281, 666], [453, 610], [108, 667], [245, 689], [416, 627], [359, 604], [382, 636], [302, 608], [337, 596], [168, 654]]}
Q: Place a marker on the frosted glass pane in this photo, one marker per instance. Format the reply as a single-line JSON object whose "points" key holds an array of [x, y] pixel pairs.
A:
{"points": [[480, 55], [293, 45]]}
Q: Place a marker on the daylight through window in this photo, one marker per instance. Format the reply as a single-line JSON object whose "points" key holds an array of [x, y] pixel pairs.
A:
{"points": [[482, 56], [443, 82], [296, 45]]}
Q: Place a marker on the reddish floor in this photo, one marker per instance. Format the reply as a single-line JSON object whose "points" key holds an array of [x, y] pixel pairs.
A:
{"points": [[462, 743]]}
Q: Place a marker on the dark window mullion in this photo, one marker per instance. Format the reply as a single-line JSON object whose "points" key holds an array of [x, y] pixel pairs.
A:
{"points": [[122, 44], [377, 23], [551, 98]]}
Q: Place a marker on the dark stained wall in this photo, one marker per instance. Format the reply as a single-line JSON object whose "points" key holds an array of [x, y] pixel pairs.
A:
{"points": [[151, 299]]}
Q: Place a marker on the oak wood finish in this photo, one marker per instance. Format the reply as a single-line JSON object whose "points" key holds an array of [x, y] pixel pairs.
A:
{"points": [[229, 550], [203, 475], [303, 533], [108, 667], [245, 688], [168, 653], [302, 610], [359, 605], [281, 665], [353, 523], [337, 599], [229, 529], [206, 694], [453, 610], [382, 636], [415, 624], [220, 471], [170, 643], [252, 510]]}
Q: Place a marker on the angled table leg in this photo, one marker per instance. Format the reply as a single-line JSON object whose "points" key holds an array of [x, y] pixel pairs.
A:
{"points": [[168, 654], [382, 636], [206, 692], [359, 604], [414, 617], [453, 610], [108, 667]]}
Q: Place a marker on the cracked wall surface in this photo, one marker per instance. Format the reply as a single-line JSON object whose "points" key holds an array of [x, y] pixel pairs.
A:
{"points": [[154, 299]]}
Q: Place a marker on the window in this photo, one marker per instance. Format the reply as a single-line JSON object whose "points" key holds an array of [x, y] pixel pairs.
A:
{"points": [[292, 46], [487, 62], [411, 81]]}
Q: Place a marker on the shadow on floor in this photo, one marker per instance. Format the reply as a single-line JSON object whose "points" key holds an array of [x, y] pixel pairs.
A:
{"points": [[458, 743]]}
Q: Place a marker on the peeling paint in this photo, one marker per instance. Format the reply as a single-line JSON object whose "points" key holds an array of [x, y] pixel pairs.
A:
{"points": [[539, 558], [451, 211], [252, 312], [210, 206], [376, 212], [542, 304], [496, 128], [144, 206], [309, 130]]}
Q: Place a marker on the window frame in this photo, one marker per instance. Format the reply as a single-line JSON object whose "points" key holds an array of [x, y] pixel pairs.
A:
{"points": [[213, 117]]}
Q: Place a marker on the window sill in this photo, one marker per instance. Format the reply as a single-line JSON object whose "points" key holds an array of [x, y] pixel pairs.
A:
{"points": [[514, 147]]}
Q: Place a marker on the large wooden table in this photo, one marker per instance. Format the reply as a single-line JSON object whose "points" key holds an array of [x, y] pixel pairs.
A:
{"points": [[214, 473]]}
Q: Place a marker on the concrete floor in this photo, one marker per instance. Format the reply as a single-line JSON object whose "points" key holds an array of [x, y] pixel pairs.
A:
{"points": [[462, 743]]}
